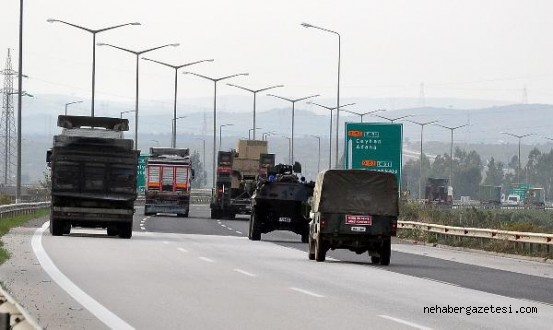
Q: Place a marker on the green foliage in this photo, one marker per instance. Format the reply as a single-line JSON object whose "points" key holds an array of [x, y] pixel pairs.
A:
{"points": [[8, 223], [200, 178], [5, 199]]}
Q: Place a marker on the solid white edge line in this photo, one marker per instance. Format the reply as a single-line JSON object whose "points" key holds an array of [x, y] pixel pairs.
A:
{"points": [[307, 292], [103, 314], [206, 259], [182, 250], [411, 324], [244, 272]]}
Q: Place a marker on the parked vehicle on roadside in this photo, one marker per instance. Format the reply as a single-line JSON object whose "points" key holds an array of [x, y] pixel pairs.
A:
{"points": [[355, 210]]}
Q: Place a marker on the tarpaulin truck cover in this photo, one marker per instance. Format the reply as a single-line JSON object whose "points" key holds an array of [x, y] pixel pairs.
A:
{"points": [[356, 191]]}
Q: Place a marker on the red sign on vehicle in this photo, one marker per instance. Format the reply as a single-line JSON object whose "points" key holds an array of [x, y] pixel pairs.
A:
{"points": [[364, 220]]}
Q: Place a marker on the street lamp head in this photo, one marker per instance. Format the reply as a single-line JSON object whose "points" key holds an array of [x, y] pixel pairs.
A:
{"points": [[135, 23], [306, 25], [51, 20], [101, 44], [174, 45]]}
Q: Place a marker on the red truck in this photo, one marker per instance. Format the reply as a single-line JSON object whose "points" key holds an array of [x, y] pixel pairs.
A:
{"points": [[168, 178]]}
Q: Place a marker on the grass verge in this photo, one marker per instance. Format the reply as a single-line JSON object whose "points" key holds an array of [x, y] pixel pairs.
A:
{"points": [[8, 223]]}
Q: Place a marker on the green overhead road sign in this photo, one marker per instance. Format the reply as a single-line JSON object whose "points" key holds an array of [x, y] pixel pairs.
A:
{"points": [[374, 146], [141, 175]]}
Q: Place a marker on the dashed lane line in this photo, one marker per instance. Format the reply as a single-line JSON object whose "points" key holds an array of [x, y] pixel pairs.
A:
{"points": [[309, 293], [239, 232], [182, 250], [411, 324], [206, 259], [244, 272]]}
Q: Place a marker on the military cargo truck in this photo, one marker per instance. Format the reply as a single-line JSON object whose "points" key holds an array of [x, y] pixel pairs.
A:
{"points": [[490, 196], [237, 172], [93, 170]]}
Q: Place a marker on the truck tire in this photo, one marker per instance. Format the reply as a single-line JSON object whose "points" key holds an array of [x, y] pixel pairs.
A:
{"points": [[386, 252], [311, 249], [305, 237], [125, 230], [112, 230], [67, 228], [375, 260], [214, 214], [255, 232], [320, 250], [56, 227]]}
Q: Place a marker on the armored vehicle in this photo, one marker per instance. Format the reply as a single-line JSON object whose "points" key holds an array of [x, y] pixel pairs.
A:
{"points": [[94, 173], [280, 203], [355, 210]]}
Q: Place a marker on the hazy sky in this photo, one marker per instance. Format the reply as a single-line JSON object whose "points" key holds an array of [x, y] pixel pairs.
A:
{"points": [[469, 49]]}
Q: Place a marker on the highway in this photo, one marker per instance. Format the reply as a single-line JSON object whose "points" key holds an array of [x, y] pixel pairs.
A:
{"points": [[198, 273]]}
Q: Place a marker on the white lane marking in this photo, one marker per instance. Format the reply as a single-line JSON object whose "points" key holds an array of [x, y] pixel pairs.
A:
{"points": [[103, 314], [239, 232], [166, 242], [206, 259], [142, 227], [230, 229], [224, 226], [182, 250], [219, 221], [411, 324], [307, 292], [244, 272]]}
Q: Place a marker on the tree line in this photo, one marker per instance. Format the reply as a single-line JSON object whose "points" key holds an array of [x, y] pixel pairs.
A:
{"points": [[469, 172]]}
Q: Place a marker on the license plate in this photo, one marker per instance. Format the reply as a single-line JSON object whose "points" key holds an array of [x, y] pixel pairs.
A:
{"points": [[285, 219], [358, 229], [363, 220]]}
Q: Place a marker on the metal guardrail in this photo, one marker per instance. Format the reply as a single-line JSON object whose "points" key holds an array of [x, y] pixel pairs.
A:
{"points": [[512, 236], [11, 210]]}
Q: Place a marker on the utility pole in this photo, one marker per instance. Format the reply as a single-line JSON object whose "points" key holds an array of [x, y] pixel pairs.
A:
{"points": [[8, 139]]}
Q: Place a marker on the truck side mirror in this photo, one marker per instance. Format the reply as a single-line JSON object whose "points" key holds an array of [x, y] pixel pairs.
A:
{"points": [[193, 174], [297, 167]]}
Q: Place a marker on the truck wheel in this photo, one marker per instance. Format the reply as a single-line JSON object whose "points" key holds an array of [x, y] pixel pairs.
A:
{"points": [[305, 238], [375, 260], [386, 252], [67, 228], [112, 230], [255, 233], [320, 250], [125, 230], [214, 214], [311, 251], [56, 227]]}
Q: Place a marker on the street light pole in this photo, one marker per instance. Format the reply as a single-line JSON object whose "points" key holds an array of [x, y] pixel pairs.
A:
{"points": [[519, 138], [420, 160], [319, 158], [174, 120], [365, 113], [67, 104], [451, 150], [255, 91], [330, 129], [221, 133], [94, 32], [215, 81], [306, 25], [137, 54], [289, 149], [176, 68], [392, 119], [293, 111]]}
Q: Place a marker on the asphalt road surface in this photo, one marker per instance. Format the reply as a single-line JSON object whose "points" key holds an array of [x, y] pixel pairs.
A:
{"points": [[199, 273]]}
